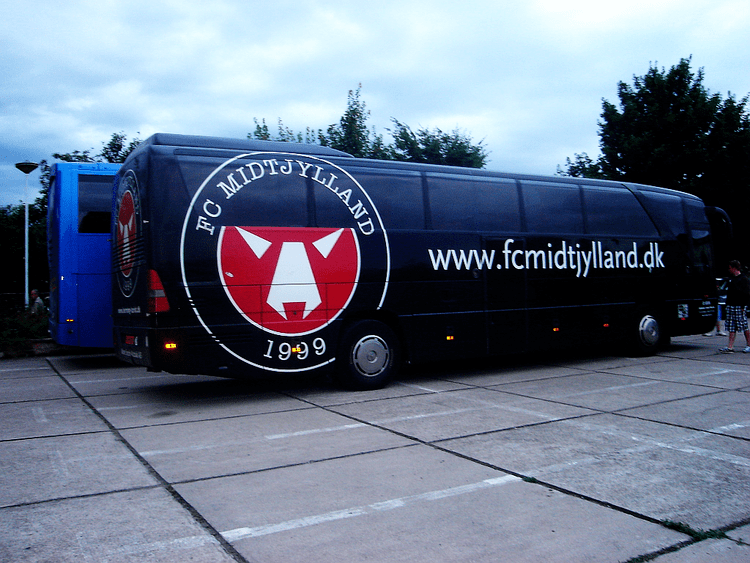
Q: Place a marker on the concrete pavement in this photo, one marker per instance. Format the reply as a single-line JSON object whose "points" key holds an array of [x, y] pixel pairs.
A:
{"points": [[560, 459]]}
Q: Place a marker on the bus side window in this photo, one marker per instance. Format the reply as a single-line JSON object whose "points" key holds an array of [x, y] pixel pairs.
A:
{"points": [[666, 210], [552, 207], [464, 203], [604, 204], [94, 203], [696, 213], [700, 232], [397, 196]]}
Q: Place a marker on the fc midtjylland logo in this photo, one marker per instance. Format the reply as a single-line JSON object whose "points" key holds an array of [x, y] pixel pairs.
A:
{"points": [[266, 291], [288, 281], [127, 231]]}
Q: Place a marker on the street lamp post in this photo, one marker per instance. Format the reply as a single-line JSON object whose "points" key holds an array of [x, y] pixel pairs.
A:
{"points": [[27, 168]]}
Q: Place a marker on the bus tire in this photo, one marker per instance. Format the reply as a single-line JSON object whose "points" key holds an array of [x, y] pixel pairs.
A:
{"points": [[649, 334], [368, 355]]}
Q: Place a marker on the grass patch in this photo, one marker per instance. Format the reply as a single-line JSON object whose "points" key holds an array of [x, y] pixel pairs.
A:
{"points": [[697, 535], [18, 329]]}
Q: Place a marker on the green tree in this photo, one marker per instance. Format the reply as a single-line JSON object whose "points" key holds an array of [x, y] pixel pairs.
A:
{"points": [[669, 130], [115, 150], [660, 132], [352, 135], [581, 167], [12, 249], [12, 220], [118, 149], [437, 147], [284, 134]]}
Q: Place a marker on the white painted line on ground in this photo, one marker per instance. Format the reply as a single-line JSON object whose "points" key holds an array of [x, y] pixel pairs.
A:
{"points": [[647, 444], [93, 550], [28, 369], [270, 437], [344, 427], [314, 431], [39, 416], [127, 407], [306, 521], [413, 386], [112, 379], [612, 388]]}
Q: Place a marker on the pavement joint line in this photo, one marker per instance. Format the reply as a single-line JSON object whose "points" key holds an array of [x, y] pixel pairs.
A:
{"points": [[616, 387], [289, 465], [47, 370], [608, 371], [615, 412], [696, 536], [595, 410], [589, 460], [697, 434], [490, 386], [46, 400], [163, 483], [188, 542], [717, 431], [558, 399], [81, 496], [486, 405], [237, 534], [258, 439], [211, 419], [692, 376], [52, 436], [512, 428], [84, 381], [492, 466], [338, 428], [533, 480]]}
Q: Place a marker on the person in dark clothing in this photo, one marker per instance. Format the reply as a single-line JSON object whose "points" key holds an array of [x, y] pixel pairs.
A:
{"points": [[36, 307], [738, 297]]}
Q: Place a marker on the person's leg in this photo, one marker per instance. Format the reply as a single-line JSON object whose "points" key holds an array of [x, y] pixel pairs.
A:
{"points": [[732, 326]]}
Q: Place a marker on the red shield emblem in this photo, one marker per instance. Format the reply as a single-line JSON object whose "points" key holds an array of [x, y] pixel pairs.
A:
{"points": [[126, 234], [289, 281]]}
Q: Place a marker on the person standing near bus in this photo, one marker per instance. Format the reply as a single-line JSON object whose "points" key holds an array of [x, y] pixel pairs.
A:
{"points": [[738, 296], [36, 307]]}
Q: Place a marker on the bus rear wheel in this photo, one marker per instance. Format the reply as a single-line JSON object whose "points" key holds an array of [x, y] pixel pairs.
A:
{"points": [[649, 336], [369, 355]]}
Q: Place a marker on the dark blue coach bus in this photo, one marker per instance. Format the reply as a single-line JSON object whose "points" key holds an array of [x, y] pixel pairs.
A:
{"points": [[78, 244], [238, 256]]}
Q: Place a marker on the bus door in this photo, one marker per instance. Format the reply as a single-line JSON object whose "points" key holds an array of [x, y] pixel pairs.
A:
{"points": [[505, 295]]}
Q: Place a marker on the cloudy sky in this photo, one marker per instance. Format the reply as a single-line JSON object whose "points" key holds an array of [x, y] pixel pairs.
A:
{"points": [[525, 77]]}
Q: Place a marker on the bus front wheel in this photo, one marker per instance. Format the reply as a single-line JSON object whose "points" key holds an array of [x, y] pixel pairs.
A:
{"points": [[368, 356]]}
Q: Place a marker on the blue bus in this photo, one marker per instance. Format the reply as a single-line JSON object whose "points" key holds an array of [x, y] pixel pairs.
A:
{"points": [[79, 253], [238, 257]]}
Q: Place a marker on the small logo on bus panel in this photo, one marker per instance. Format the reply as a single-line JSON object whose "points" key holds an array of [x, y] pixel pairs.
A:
{"points": [[125, 235], [276, 290], [127, 232]]}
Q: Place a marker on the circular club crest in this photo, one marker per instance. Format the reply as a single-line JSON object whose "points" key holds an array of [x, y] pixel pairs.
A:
{"points": [[127, 233], [265, 288]]}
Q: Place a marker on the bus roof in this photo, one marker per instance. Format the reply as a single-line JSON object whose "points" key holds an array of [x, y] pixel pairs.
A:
{"points": [[226, 143]]}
